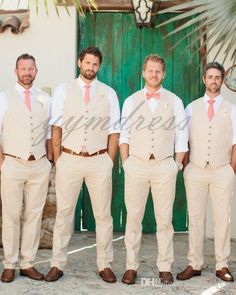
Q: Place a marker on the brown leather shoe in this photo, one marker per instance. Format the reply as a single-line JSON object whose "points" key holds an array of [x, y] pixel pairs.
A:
{"points": [[188, 273], [166, 277], [129, 277], [225, 275], [107, 275], [54, 274], [8, 275], [32, 273]]}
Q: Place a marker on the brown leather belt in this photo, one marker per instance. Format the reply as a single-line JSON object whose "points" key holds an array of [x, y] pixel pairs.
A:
{"points": [[152, 157], [82, 154], [31, 158]]}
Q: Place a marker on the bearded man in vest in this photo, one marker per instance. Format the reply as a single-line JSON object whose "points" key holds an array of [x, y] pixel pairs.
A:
{"points": [[151, 135], [210, 171], [85, 141], [25, 169]]}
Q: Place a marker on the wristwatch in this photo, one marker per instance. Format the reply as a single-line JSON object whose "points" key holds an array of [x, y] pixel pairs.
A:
{"points": [[179, 165]]}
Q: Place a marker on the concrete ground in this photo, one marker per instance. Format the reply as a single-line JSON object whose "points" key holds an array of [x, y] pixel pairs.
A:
{"points": [[81, 275]]}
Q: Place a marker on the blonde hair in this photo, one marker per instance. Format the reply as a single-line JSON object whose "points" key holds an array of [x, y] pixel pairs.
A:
{"points": [[155, 58]]}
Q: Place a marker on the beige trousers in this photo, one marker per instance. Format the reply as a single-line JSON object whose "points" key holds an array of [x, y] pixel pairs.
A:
{"points": [[218, 183], [71, 170], [140, 175], [24, 186]]}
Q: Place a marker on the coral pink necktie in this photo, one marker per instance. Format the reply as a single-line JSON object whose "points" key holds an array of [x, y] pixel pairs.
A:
{"points": [[156, 95], [87, 94], [27, 100], [210, 111]]}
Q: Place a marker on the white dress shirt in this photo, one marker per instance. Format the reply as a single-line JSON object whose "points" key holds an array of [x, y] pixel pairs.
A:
{"points": [[216, 105], [180, 120], [59, 102], [21, 91]]}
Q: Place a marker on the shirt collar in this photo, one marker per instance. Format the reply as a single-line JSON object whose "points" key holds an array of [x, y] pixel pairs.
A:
{"points": [[158, 91], [82, 83], [20, 89], [218, 98]]}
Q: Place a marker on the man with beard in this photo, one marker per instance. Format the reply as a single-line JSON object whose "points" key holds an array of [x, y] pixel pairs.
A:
{"points": [[84, 152], [147, 157], [24, 115], [212, 139]]}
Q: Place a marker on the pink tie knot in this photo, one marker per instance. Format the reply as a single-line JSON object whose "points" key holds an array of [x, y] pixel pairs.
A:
{"points": [[211, 101], [155, 95]]}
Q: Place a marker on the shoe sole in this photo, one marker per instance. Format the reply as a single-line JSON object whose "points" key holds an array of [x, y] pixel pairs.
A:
{"points": [[195, 275], [230, 280], [54, 280]]}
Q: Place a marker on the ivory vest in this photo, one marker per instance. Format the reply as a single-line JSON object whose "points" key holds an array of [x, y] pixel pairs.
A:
{"points": [[210, 141], [24, 133], [86, 125], [152, 133]]}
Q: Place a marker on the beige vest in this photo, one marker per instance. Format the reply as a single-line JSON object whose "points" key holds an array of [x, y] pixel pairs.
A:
{"points": [[24, 133], [86, 125], [210, 141], [152, 133]]}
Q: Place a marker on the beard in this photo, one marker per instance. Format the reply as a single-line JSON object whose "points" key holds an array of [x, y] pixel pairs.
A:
{"points": [[26, 80], [88, 74], [213, 88]]}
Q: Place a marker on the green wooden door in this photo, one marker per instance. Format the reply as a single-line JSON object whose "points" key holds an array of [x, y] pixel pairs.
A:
{"points": [[124, 48]]}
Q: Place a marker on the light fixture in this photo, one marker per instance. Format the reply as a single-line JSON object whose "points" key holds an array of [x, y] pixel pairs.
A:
{"points": [[142, 12]]}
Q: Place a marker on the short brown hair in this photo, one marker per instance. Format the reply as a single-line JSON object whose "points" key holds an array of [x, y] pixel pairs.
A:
{"points": [[214, 65], [155, 58], [25, 56], [91, 50]]}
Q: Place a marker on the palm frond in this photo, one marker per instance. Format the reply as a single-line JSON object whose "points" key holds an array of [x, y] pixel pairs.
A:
{"points": [[206, 16]]}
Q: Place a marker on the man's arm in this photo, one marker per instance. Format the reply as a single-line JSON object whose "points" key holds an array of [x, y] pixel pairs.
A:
{"points": [[124, 152], [233, 158], [56, 142], [179, 157], [1, 155], [112, 146], [49, 149]]}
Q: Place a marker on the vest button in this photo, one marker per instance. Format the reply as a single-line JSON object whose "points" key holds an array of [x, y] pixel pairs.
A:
{"points": [[209, 147], [209, 133], [210, 127], [208, 154]]}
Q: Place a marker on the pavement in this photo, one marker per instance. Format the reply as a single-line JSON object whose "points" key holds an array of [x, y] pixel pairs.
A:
{"points": [[81, 276]]}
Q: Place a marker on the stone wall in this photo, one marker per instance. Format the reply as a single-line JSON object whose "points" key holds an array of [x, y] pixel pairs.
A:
{"points": [[49, 214]]}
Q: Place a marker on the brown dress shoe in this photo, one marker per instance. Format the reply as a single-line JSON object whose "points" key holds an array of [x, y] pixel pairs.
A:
{"points": [[54, 274], [8, 275], [166, 277], [188, 273], [32, 273], [129, 277], [107, 275], [225, 275]]}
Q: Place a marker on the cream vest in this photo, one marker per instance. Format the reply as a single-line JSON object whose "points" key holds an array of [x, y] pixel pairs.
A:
{"points": [[152, 133], [86, 125], [24, 133], [210, 141]]}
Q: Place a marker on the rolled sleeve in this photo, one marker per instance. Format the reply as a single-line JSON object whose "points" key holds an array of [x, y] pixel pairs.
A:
{"points": [[3, 108], [57, 107], [114, 126], [125, 129], [181, 134], [233, 118]]}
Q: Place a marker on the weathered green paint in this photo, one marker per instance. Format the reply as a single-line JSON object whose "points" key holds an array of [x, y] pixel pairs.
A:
{"points": [[124, 48]]}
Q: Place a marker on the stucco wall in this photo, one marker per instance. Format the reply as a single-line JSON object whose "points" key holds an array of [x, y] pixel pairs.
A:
{"points": [[52, 40]]}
